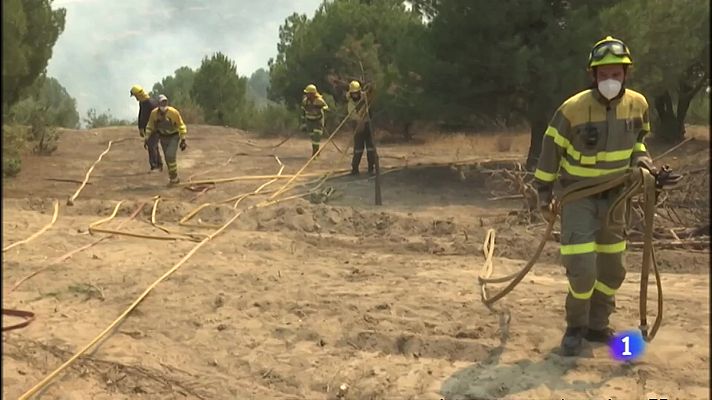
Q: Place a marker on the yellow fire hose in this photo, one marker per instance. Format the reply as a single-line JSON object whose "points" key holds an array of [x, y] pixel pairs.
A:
{"points": [[75, 251], [38, 233], [313, 157], [93, 228], [70, 201], [634, 181], [237, 199], [44, 382], [283, 189]]}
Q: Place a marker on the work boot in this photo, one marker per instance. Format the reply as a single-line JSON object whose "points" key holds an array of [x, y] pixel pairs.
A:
{"points": [[572, 342], [354, 171], [371, 171], [173, 181], [600, 335], [314, 150]]}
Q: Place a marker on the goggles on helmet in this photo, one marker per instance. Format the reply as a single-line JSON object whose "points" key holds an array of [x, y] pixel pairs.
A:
{"points": [[616, 48]]}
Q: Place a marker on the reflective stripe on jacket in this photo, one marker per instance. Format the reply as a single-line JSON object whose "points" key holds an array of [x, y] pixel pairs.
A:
{"points": [[314, 110], [166, 123], [357, 109], [587, 138]]}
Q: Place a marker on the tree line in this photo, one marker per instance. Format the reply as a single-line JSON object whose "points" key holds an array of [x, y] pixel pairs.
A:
{"points": [[451, 64]]}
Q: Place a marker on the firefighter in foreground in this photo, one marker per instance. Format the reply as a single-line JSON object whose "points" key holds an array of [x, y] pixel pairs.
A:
{"points": [[357, 107], [146, 104], [313, 107], [168, 124], [596, 132]]}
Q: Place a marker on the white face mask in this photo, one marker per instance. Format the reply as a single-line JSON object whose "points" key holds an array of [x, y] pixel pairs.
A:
{"points": [[609, 88], [163, 108]]}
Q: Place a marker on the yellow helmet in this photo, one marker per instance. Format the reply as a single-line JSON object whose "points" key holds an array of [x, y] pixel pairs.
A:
{"points": [[354, 86], [135, 90], [609, 51], [310, 89]]}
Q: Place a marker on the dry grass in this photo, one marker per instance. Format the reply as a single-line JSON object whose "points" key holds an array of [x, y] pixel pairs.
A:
{"points": [[479, 143], [698, 132]]}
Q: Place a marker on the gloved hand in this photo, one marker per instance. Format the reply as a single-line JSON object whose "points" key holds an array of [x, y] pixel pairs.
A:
{"points": [[145, 143], [546, 208], [183, 145], [666, 178], [142, 132], [647, 164]]}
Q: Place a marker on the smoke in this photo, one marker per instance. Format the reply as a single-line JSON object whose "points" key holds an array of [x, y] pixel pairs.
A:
{"points": [[108, 46]]}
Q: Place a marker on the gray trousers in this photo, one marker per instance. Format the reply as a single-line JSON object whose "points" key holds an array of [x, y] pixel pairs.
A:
{"points": [[154, 155], [362, 139], [169, 143], [592, 254]]}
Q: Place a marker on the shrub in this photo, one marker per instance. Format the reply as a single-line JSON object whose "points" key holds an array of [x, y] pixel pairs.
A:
{"points": [[44, 136], [102, 120], [13, 145]]}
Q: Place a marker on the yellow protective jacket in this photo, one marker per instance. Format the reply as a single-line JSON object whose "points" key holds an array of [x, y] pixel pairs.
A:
{"points": [[167, 123], [357, 109], [314, 110], [589, 137]]}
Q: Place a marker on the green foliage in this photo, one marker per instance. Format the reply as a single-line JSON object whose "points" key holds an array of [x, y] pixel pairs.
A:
{"points": [[177, 87], [178, 90], [94, 120], [700, 109], [219, 90], [30, 30], [272, 119], [44, 135], [670, 46], [48, 97], [523, 57], [13, 145], [345, 35], [666, 38]]}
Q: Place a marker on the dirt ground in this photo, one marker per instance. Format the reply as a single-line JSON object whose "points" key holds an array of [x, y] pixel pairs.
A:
{"points": [[295, 300]]}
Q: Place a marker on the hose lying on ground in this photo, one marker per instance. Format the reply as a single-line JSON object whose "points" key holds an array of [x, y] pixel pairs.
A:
{"points": [[38, 233], [71, 253], [634, 181], [70, 200], [48, 379]]}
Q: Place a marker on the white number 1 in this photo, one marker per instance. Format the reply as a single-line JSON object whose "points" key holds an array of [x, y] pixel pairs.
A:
{"points": [[626, 351]]}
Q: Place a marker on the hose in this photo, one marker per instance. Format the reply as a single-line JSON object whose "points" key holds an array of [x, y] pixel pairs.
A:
{"points": [[45, 381], [75, 251], [38, 233], [70, 201], [635, 181]]}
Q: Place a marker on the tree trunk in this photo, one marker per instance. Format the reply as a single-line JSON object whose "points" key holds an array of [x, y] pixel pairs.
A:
{"points": [[668, 125], [538, 122], [407, 134], [687, 93]]}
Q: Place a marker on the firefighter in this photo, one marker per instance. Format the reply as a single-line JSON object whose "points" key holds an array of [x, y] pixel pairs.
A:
{"points": [[596, 132], [313, 107], [168, 124], [147, 104], [357, 108]]}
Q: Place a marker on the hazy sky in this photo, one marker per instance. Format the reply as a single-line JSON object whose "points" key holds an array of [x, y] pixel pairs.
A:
{"points": [[107, 46]]}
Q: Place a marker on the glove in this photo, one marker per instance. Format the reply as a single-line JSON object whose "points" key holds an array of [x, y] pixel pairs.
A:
{"points": [[145, 143], [142, 132], [666, 178], [546, 207], [183, 145]]}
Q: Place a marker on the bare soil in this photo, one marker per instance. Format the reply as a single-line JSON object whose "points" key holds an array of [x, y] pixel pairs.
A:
{"points": [[296, 300]]}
